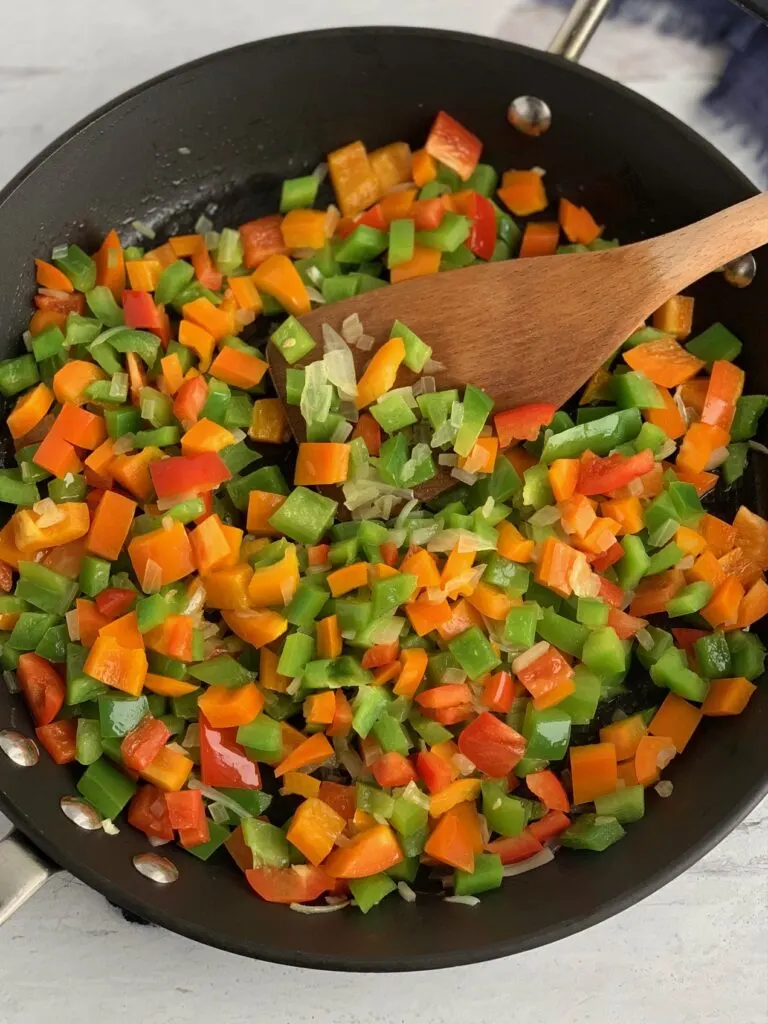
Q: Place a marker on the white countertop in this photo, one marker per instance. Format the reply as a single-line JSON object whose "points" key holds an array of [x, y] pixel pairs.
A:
{"points": [[694, 953]]}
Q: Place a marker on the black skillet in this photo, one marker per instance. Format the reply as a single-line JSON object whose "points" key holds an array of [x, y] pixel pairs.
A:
{"points": [[227, 129]]}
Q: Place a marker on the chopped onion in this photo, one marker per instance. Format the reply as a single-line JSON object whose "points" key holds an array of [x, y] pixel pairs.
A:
{"points": [[522, 661], [220, 798], [332, 218], [153, 577], [685, 563], [191, 736], [110, 827], [157, 841], [320, 172], [124, 444], [73, 625], [388, 631], [717, 458], [757, 447], [341, 432], [406, 892], [49, 513], [211, 239], [397, 537], [416, 796], [680, 404], [466, 901], [457, 415], [118, 386], [351, 329], [463, 764], [219, 813], [294, 686], [538, 860], [244, 317], [405, 393], [636, 487], [428, 385], [454, 675], [366, 342], [447, 459], [645, 639], [668, 448], [488, 507], [27, 339], [463, 477], [326, 908], [59, 252], [347, 758], [424, 534], [340, 368], [463, 540], [315, 276], [664, 788], [444, 434], [545, 516], [314, 295], [203, 224], [665, 756], [10, 681], [433, 366], [54, 293], [143, 229], [405, 511]]}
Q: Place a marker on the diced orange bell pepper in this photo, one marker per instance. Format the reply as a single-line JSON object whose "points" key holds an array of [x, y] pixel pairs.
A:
{"points": [[161, 557], [120, 667], [675, 317], [237, 368], [353, 178], [368, 853], [593, 771], [314, 829], [30, 410], [269, 424], [169, 770], [227, 588], [274, 585], [664, 362], [727, 696], [424, 262], [675, 719], [698, 445], [198, 340], [328, 637], [256, 627], [512, 544], [277, 276], [111, 524], [423, 566], [74, 523], [225, 708], [133, 471], [321, 463], [523, 193], [310, 752]]}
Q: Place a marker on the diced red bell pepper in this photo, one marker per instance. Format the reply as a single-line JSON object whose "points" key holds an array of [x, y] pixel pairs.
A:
{"points": [[610, 557], [115, 601], [141, 745], [549, 789], [374, 218], [140, 311], [148, 812], [482, 234], [601, 475], [389, 553], [42, 687], [189, 401], [492, 745], [74, 303], [381, 654], [453, 145], [58, 738], [370, 431], [623, 625], [262, 238], [188, 474], [545, 673], [552, 824], [515, 848], [523, 423], [427, 214], [498, 692], [301, 883], [433, 771], [223, 762], [186, 812], [686, 638], [392, 770], [205, 270], [341, 798]]}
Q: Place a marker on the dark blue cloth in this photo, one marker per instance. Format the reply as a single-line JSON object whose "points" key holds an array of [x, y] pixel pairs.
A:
{"points": [[740, 98]]}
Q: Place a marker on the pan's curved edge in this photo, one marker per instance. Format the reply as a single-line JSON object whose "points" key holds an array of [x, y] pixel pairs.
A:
{"points": [[563, 929]]}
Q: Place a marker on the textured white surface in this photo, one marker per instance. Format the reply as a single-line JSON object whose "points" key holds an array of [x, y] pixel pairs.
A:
{"points": [[694, 953]]}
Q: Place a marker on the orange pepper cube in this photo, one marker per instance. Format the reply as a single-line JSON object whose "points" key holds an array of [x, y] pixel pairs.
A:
{"points": [[268, 422], [314, 829], [225, 708], [262, 505], [161, 557], [209, 544], [320, 463], [111, 524], [120, 667], [206, 436]]}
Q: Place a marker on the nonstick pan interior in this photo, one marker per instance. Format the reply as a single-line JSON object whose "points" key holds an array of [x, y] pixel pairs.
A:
{"points": [[226, 130]]}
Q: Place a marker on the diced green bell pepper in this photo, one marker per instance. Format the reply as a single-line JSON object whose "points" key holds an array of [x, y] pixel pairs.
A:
{"points": [[368, 892], [488, 874], [603, 652], [747, 654], [713, 655], [267, 842], [547, 732], [592, 832], [474, 653], [304, 516], [118, 714], [88, 746], [561, 632], [749, 409], [716, 342], [690, 599], [625, 805], [106, 788], [600, 436]]}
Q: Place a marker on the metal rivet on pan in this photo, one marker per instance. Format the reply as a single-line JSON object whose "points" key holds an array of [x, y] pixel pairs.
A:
{"points": [[529, 115], [741, 271], [19, 748], [157, 868], [83, 814]]}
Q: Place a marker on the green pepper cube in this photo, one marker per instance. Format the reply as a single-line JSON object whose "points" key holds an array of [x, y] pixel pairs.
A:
{"points": [[594, 832], [364, 243], [663, 559], [520, 625], [474, 653], [217, 836], [294, 385], [292, 340], [600, 436], [417, 352], [367, 707], [392, 413], [53, 646], [590, 611], [566, 635], [368, 892], [690, 599], [716, 342], [390, 593], [452, 231], [603, 652], [504, 814], [18, 374], [401, 241], [305, 605], [391, 735], [305, 516], [298, 651], [77, 265], [88, 746], [94, 575], [749, 409], [436, 405], [118, 715], [106, 788], [263, 734], [299, 193], [408, 817], [30, 628], [633, 564], [634, 390], [625, 805], [713, 656], [671, 671], [747, 654], [735, 464], [488, 873], [475, 410], [581, 705], [547, 732], [267, 842]]}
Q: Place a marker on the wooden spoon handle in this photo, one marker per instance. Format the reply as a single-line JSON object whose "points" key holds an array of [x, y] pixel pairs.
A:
{"points": [[682, 257]]}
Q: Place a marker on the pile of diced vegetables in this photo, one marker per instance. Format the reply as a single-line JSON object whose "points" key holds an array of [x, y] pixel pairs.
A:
{"points": [[433, 694]]}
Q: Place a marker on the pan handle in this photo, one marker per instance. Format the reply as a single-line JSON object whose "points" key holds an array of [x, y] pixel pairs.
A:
{"points": [[23, 869], [579, 26]]}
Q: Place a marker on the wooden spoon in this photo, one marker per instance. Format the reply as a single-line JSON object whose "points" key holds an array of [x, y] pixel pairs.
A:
{"points": [[534, 330]]}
